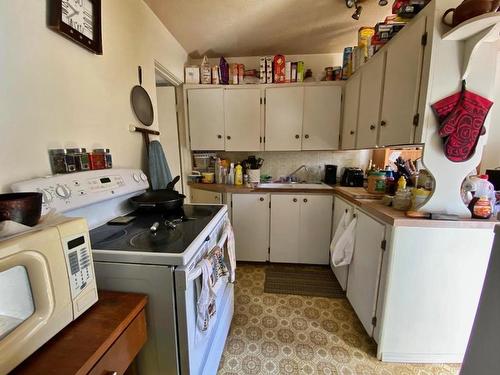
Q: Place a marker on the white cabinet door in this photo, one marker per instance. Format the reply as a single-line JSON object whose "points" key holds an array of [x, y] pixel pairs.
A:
{"points": [[242, 119], [402, 83], [285, 224], [364, 270], [250, 219], [284, 113], [315, 233], [321, 126], [370, 99], [340, 207], [351, 109], [206, 119], [205, 196]]}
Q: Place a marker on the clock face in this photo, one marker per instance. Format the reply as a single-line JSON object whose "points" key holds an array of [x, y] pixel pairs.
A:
{"points": [[79, 15]]}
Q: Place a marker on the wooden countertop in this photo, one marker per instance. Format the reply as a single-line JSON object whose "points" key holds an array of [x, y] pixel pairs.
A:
{"points": [[359, 196], [80, 345]]}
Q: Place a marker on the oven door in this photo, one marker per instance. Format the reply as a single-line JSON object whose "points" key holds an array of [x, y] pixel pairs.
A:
{"points": [[35, 299], [200, 352]]}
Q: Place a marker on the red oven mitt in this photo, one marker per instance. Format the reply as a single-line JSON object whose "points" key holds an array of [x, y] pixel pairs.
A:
{"points": [[462, 117]]}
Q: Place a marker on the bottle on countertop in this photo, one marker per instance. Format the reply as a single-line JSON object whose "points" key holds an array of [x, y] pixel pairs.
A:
{"points": [[401, 183], [238, 175], [230, 175]]}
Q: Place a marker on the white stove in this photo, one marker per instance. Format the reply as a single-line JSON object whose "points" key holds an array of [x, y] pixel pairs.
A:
{"points": [[161, 264]]}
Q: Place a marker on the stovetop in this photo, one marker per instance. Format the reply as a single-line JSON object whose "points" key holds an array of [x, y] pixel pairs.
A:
{"points": [[176, 230]]}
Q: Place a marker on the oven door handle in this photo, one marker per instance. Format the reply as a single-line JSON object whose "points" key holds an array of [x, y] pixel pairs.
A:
{"points": [[196, 272]]}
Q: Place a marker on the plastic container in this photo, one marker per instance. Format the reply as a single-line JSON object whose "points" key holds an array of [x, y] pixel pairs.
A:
{"points": [[238, 175], [481, 207], [376, 182]]}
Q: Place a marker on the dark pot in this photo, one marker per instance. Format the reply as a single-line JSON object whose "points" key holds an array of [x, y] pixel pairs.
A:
{"points": [[470, 9], [24, 208]]}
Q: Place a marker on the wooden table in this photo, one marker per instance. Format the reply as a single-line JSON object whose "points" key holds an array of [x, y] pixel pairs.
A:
{"points": [[103, 341]]}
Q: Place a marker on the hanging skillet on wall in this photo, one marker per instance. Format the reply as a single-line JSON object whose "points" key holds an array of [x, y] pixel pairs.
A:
{"points": [[141, 102]]}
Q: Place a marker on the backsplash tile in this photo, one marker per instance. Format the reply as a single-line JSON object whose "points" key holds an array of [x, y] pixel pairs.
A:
{"points": [[279, 164]]}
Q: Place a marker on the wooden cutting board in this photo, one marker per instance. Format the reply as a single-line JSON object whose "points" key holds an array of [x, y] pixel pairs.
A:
{"points": [[359, 192]]}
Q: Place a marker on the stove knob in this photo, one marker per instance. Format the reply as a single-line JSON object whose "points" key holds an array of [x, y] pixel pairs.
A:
{"points": [[136, 177], [63, 191], [144, 177]]}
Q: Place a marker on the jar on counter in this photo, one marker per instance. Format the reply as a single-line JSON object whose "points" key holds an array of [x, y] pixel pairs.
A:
{"points": [[61, 162], [97, 159], [376, 182], [82, 158]]}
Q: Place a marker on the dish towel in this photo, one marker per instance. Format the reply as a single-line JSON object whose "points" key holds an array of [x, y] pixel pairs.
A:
{"points": [[342, 246], [231, 250], [159, 172], [206, 300]]}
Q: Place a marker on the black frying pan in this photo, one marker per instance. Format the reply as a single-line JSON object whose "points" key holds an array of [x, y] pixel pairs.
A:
{"points": [[161, 200], [141, 102]]}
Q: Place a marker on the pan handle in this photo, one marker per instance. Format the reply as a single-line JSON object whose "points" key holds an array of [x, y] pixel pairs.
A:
{"points": [[139, 72]]}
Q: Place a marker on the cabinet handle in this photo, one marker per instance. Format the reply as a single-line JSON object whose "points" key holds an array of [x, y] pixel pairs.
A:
{"points": [[306, 136], [295, 199], [383, 123], [372, 127], [261, 199], [228, 137], [346, 210], [354, 215], [352, 132], [219, 136], [297, 136], [305, 200]]}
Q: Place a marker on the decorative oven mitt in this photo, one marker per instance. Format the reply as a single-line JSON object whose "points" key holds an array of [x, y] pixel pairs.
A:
{"points": [[463, 124]]}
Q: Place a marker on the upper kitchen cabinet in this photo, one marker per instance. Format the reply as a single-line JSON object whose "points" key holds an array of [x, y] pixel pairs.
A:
{"points": [[351, 110], [284, 114], [242, 119], [206, 118], [402, 84], [321, 124], [372, 79]]}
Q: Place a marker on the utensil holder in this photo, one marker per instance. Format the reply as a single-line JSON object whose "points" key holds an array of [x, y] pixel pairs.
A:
{"points": [[254, 175]]}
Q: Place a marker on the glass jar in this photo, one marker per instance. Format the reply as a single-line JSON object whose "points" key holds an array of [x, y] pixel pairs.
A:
{"points": [[376, 182], [61, 162], [82, 158], [97, 159]]}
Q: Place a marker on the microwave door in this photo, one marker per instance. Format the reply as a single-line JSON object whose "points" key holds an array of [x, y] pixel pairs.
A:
{"points": [[16, 299]]}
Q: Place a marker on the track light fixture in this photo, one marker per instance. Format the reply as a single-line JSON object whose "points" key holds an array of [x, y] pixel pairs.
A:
{"points": [[383, 3], [357, 12], [350, 3]]}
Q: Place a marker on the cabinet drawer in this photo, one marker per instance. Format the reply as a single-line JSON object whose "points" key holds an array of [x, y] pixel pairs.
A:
{"points": [[121, 354]]}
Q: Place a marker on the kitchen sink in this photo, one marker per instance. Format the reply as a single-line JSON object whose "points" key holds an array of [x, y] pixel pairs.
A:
{"points": [[298, 186]]}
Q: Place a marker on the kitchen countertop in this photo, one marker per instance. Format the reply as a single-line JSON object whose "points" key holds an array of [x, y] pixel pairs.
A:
{"points": [[370, 203]]}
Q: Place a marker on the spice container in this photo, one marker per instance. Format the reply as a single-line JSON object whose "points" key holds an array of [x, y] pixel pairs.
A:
{"points": [[61, 162], [103, 159], [98, 159], [81, 156]]}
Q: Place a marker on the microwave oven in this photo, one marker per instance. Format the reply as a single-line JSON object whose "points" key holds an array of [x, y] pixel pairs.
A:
{"points": [[47, 280]]}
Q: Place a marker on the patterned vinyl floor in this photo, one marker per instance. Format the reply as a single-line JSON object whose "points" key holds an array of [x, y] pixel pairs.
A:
{"points": [[288, 334]]}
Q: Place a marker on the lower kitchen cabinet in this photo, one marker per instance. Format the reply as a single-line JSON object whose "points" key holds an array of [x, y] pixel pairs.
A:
{"points": [[364, 270], [300, 228], [340, 207], [250, 218]]}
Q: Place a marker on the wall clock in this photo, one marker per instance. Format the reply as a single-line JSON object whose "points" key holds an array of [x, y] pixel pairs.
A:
{"points": [[78, 20]]}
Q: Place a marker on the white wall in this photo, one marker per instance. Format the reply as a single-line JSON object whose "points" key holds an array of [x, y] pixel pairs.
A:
{"points": [[55, 94], [316, 62], [491, 154]]}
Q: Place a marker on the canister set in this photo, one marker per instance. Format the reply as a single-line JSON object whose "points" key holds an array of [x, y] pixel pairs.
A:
{"points": [[79, 159]]}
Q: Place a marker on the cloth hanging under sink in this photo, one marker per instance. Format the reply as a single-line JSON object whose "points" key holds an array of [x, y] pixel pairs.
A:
{"points": [[342, 246], [159, 172]]}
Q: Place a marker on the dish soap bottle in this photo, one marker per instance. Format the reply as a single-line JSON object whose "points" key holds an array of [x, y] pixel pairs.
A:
{"points": [[401, 183], [238, 175]]}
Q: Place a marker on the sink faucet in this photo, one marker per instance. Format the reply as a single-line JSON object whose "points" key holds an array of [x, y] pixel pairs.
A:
{"points": [[289, 176]]}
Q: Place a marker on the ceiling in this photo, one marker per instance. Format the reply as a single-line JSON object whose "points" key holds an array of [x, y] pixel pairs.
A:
{"points": [[262, 27]]}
